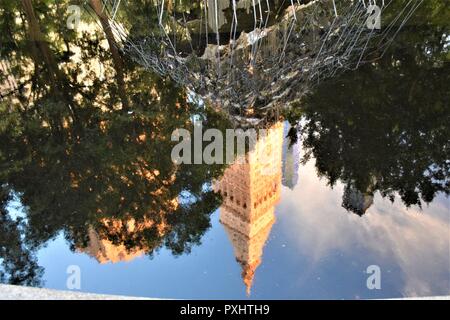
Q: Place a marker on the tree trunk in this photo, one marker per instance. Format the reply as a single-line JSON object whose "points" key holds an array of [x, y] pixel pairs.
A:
{"points": [[42, 52], [117, 59], [41, 49]]}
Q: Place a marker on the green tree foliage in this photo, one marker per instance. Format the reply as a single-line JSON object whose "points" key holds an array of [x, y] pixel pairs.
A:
{"points": [[80, 150], [18, 265]]}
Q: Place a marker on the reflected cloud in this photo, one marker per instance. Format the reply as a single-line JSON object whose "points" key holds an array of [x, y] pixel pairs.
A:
{"points": [[418, 242]]}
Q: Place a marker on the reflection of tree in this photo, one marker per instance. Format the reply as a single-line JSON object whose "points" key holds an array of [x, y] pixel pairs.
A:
{"points": [[116, 174], [385, 127], [18, 265], [82, 158], [97, 6]]}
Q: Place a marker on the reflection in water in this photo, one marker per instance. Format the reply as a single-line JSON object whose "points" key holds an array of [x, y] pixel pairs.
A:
{"points": [[291, 157], [18, 262], [219, 49], [108, 242], [339, 247], [85, 154], [104, 250], [250, 190], [89, 158]]}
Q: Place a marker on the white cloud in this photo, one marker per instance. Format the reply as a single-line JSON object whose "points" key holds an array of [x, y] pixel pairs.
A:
{"points": [[418, 242]]}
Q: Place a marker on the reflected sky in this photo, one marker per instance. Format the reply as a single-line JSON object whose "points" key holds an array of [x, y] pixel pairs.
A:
{"points": [[414, 262]]}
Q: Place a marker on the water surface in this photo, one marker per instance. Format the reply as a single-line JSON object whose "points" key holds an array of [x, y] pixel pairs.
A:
{"points": [[359, 175]]}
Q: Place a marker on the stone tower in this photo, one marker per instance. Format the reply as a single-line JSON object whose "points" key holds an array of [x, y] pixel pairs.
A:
{"points": [[250, 190]]}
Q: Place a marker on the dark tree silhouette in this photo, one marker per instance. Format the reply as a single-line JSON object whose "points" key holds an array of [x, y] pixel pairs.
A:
{"points": [[18, 265]]}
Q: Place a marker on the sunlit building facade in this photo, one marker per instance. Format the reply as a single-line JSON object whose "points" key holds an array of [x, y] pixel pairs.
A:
{"points": [[250, 191]]}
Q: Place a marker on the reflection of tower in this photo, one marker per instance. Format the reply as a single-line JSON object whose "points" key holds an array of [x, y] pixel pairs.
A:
{"points": [[355, 201], [250, 191], [128, 230], [291, 160], [105, 251]]}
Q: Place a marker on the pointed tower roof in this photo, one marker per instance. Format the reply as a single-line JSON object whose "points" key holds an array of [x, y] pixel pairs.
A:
{"points": [[249, 250], [248, 274]]}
